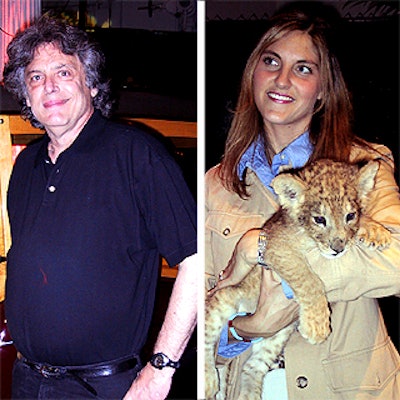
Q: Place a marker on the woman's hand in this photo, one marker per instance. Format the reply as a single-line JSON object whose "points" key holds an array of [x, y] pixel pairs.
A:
{"points": [[273, 313], [243, 259]]}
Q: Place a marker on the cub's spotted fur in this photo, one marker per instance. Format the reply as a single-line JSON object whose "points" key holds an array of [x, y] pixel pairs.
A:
{"points": [[322, 206]]}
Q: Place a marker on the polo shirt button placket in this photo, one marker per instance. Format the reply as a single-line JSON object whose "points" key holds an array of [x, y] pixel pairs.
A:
{"points": [[55, 178]]}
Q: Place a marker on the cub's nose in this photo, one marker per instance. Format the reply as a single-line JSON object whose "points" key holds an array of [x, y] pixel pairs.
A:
{"points": [[337, 245]]}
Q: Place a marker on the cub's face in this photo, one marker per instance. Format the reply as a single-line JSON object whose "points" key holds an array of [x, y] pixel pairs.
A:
{"points": [[331, 220], [326, 199]]}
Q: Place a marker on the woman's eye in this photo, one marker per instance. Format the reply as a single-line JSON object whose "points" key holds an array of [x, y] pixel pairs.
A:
{"points": [[304, 69], [270, 61]]}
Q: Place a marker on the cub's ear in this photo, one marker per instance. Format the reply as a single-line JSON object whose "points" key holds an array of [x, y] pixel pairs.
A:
{"points": [[366, 179], [289, 188]]}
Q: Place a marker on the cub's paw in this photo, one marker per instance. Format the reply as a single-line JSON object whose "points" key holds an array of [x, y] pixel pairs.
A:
{"points": [[211, 383], [373, 235], [314, 325]]}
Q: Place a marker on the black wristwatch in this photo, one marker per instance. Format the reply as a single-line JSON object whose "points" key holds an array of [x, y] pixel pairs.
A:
{"points": [[160, 360]]}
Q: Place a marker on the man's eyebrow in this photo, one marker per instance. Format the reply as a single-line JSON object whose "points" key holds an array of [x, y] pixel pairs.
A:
{"points": [[56, 67]]}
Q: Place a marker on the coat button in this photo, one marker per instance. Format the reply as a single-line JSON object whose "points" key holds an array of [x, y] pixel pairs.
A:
{"points": [[226, 231], [301, 382]]}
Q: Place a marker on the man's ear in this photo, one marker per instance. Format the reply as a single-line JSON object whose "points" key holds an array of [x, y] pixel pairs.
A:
{"points": [[290, 190], [94, 91]]}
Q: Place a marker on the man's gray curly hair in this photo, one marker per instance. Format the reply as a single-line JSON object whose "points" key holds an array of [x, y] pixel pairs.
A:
{"points": [[70, 40]]}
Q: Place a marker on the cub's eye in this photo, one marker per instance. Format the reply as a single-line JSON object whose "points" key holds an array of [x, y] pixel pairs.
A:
{"points": [[350, 216], [320, 220]]}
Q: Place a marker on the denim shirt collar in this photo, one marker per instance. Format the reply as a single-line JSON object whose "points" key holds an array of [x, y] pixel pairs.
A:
{"points": [[295, 155]]}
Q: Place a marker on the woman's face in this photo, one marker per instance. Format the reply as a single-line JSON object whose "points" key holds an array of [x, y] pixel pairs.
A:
{"points": [[287, 83]]}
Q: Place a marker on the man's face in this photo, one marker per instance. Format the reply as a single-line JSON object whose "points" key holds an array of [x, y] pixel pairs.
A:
{"points": [[56, 90]]}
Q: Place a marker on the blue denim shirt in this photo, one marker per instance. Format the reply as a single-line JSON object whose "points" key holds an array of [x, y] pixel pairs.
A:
{"points": [[295, 155]]}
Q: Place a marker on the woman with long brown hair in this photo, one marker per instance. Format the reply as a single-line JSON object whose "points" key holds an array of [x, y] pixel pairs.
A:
{"points": [[294, 108]]}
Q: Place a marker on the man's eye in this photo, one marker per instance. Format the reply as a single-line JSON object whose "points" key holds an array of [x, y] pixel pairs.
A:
{"points": [[34, 80], [64, 74]]}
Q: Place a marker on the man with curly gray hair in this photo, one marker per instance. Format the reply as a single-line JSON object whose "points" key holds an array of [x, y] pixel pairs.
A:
{"points": [[92, 207]]}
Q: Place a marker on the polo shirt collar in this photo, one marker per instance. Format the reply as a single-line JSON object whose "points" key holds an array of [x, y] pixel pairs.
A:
{"points": [[84, 141], [295, 155]]}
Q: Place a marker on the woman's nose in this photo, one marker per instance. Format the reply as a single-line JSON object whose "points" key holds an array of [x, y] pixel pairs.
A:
{"points": [[282, 79]]}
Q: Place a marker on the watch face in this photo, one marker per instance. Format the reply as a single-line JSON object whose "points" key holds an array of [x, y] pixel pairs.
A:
{"points": [[158, 361]]}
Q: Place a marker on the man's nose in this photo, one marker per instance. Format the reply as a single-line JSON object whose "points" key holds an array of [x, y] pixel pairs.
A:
{"points": [[50, 84]]}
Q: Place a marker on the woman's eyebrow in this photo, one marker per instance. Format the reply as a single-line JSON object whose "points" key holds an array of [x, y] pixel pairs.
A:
{"points": [[308, 62], [298, 61], [271, 52]]}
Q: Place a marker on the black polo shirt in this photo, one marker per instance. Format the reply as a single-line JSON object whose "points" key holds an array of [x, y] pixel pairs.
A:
{"points": [[87, 234]]}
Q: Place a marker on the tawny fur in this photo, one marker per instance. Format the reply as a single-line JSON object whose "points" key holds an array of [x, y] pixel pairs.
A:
{"points": [[323, 206]]}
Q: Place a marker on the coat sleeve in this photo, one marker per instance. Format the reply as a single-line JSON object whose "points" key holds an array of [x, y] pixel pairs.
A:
{"points": [[210, 279], [228, 217], [361, 271]]}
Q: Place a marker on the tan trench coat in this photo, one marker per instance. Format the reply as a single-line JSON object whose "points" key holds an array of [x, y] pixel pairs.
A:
{"points": [[358, 360]]}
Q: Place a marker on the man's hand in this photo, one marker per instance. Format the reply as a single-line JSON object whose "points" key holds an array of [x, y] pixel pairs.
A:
{"points": [[151, 384]]}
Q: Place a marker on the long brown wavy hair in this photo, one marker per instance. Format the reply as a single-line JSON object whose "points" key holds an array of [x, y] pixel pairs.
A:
{"points": [[331, 125]]}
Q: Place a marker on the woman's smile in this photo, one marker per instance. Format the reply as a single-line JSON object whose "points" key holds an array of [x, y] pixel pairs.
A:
{"points": [[280, 98]]}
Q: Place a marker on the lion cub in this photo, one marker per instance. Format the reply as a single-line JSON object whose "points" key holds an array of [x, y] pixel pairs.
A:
{"points": [[322, 207]]}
